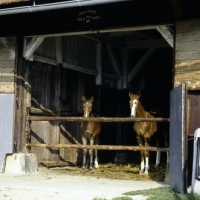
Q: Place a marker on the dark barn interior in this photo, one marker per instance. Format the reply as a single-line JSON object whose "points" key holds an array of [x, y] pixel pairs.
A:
{"points": [[152, 79], [154, 82]]}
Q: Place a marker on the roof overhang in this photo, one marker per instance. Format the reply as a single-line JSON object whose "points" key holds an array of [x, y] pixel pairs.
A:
{"points": [[6, 2], [54, 6]]}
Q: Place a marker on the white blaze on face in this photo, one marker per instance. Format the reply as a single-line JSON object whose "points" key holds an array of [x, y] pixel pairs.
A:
{"points": [[86, 111], [134, 108]]}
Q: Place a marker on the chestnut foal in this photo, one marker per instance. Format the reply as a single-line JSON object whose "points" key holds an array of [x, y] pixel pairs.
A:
{"points": [[90, 132], [144, 130]]}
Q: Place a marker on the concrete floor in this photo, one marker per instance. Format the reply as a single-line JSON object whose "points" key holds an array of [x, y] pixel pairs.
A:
{"points": [[46, 184]]}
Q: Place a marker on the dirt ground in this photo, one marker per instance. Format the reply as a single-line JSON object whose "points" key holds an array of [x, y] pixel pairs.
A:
{"points": [[70, 184]]}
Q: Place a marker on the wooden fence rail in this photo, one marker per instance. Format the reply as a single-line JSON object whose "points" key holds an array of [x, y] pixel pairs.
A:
{"points": [[99, 119], [98, 147]]}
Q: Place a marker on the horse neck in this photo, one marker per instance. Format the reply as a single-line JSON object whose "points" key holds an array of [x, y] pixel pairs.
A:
{"points": [[90, 115], [140, 111]]}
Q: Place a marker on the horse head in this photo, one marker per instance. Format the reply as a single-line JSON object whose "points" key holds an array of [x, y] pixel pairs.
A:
{"points": [[87, 106], [134, 101]]}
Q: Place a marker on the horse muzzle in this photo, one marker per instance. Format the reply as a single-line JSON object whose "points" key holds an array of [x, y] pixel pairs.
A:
{"points": [[86, 115]]}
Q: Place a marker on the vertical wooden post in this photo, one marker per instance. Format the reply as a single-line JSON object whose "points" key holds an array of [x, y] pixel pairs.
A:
{"points": [[59, 49], [58, 89], [81, 91], [20, 100], [124, 67], [99, 64], [27, 94], [118, 136], [28, 84]]}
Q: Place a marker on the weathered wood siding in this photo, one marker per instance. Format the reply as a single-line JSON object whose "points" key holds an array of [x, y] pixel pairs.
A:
{"points": [[44, 80], [7, 64], [85, 54], [187, 54], [193, 112], [64, 83], [79, 51], [47, 48], [44, 83]]}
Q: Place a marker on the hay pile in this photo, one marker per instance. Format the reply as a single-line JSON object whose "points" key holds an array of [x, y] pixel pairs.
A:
{"points": [[117, 171]]}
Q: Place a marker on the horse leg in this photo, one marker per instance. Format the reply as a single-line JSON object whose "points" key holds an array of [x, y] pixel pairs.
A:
{"points": [[84, 141], [166, 145], [91, 152], [96, 142], [158, 153], [140, 142], [146, 154]]}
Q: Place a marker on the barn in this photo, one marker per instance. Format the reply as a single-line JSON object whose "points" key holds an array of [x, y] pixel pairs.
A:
{"points": [[54, 52]]}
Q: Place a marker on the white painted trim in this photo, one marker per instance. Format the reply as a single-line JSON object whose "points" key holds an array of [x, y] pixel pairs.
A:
{"points": [[137, 28], [30, 48], [164, 31]]}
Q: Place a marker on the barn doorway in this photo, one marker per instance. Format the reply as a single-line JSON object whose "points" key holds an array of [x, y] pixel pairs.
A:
{"points": [[131, 59]]}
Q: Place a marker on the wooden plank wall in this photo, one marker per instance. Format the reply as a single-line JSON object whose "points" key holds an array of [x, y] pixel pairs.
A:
{"points": [[7, 64], [79, 51], [44, 81], [193, 112], [187, 54], [47, 48]]}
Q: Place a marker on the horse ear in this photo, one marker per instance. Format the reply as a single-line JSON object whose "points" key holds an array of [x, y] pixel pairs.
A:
{"points": [[92, 99], [83, 98], [139, 94], [130, 93]]}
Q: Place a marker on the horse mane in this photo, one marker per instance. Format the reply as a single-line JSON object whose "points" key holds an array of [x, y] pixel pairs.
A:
{"points": [[94, 115]]}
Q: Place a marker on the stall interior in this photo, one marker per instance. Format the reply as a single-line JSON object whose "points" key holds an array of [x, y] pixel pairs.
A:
{"points": [[104, 65]]}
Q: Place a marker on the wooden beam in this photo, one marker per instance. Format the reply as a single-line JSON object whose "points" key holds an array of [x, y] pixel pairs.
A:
{"points": [[114, 60], [73, 67], [135, 28], [59, 49], [54, 62], [39, 111], [98, 147], [111, 76], [145, 44], [124, 58], [32, 46], [141, 64], [115, 64], [106, 40], [99, 63], [97, 119], [80, 69], [167, 35], [45, 60]]}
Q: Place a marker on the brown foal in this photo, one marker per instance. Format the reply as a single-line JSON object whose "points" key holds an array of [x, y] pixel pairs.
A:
{"points": [[90, 133]]}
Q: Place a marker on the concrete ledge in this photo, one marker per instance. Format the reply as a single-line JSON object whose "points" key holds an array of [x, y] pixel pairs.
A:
{"points": [[21, 163]]}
